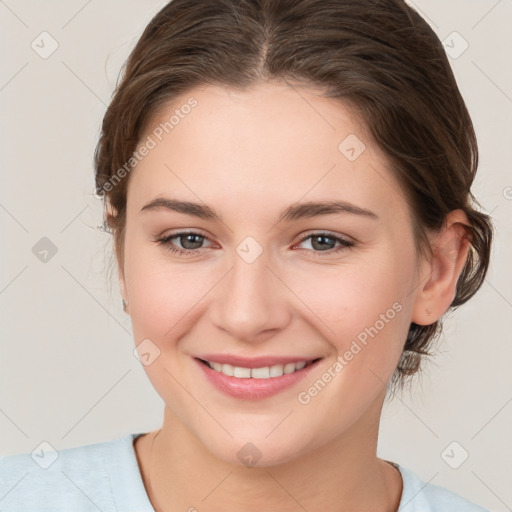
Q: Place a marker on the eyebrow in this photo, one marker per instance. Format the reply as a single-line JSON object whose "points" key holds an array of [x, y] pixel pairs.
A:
{"points": [[293, 212]]}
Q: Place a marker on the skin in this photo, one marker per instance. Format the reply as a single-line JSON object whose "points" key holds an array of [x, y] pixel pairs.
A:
{"points": [[249, 155]]}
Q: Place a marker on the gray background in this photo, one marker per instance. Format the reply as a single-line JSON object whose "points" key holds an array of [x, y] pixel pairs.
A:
{"points": [[68, 375]]}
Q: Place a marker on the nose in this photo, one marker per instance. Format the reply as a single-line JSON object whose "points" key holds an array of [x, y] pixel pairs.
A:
{"points": [[252, 301]]}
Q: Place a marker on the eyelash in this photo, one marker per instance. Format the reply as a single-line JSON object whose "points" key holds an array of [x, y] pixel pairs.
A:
{"points": [[165, 241]]}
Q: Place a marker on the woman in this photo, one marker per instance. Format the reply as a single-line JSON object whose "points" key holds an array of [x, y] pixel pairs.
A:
{"points": [[288, 188]]}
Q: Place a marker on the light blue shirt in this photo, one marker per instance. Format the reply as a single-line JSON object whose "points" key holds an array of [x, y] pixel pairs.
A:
{"points": [[106, 477]]}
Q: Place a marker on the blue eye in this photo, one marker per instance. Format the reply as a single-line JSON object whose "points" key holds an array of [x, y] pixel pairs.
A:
{"points": [[320, 241]]}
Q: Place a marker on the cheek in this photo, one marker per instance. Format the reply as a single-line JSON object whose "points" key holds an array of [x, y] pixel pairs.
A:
{"points": [[363, 310], [166, 296], [162, 298], [364, 315]]}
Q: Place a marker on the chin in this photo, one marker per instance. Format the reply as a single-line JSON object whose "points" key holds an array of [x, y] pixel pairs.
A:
{"points": [[256, 451]]}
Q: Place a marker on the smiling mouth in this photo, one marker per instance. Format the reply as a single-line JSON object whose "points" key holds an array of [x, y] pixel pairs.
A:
{"points": [[264, 372]]}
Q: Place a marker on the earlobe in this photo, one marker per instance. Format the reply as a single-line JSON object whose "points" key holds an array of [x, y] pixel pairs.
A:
{"points": [[110, 213], [437, 284]]}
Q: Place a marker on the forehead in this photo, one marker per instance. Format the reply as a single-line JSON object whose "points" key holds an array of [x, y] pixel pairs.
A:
{"points": [[270, 144]]}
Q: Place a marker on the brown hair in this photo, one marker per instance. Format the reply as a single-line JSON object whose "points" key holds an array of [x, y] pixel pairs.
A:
{"points": [[379, 57]]}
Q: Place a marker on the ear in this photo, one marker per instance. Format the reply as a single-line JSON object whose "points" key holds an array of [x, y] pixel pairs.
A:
{"points": [[438, 277], [110, 213], [122, 289]]}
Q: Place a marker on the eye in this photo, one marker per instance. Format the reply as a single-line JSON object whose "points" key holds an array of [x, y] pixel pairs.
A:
{"points": [[325, 243], [190, 240]]}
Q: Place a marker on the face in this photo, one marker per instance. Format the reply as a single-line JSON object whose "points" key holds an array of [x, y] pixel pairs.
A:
{"points": [[250, 274]]}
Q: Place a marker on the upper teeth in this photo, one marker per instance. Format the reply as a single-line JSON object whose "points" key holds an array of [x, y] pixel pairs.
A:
{"points": [[257, 373]]}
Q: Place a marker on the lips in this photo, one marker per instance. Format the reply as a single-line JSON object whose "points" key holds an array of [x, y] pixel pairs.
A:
{"points": [[252, 362], [254, 378], [257, 372]]}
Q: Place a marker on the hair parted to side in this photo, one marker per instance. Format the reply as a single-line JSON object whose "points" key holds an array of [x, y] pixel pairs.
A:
{"points": [[378, 57]]}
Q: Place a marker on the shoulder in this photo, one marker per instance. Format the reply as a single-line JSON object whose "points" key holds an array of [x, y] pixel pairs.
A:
{"points": [[418, 495], [79, 478]]}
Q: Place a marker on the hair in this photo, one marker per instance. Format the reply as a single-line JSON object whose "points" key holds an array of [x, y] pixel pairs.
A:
{"points": [[380, 58]]}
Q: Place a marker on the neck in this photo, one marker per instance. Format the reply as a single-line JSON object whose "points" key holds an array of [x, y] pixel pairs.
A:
{"points": [[344, 474]]}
